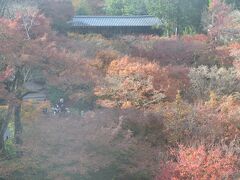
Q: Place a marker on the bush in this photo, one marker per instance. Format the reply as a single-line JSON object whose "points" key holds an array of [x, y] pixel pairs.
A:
{"points": [[81, 97], [124, 137], [87, 44], [199, 163], [196, 38], [224, 28], [85, 102], [54, 94], [174, 52], [130, 81], [138, 83], [215, 121], [58, 13], [30, 110], [104, 58], [147, 127], [222, 81]]}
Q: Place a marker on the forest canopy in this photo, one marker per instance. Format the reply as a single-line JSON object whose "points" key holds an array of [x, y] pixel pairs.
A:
{"points": [[184, 15], [130, 106]]}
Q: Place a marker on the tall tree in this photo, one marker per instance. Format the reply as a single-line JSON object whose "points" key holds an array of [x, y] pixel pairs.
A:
{"points": [[21, 48], [181, 15], [124, 7], [59, 13], [178, 14], [84, 7], [28, 43]]}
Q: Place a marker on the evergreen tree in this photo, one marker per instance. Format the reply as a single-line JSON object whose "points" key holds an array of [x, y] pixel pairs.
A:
{"points": [[178, 14], [125, 7]]}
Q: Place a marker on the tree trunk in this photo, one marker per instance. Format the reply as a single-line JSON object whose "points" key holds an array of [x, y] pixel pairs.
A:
{"points": [[4, 127], [2, 144], [18, 123], [3, 7]]}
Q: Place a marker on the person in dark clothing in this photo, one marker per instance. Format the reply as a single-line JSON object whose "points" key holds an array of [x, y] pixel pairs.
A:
{"points": [[60, 107]]}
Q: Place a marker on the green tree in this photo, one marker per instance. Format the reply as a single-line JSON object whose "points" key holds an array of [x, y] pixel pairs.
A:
{"points": [[135, 7], [114, 7], [85, 7], [125, 7], [81, 7], [178, 14]]}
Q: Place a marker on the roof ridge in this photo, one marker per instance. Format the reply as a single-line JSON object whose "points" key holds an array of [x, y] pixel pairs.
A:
{"points": [[137, 16], [115, 21]]}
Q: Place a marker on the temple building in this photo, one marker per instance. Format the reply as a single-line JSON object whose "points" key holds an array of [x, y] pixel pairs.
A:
{"points": [[115, 25]]}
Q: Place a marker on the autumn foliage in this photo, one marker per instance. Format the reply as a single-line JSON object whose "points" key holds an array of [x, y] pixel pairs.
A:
{"points": [[191, 50], [136, 101], [199, 163], [140, 83]]}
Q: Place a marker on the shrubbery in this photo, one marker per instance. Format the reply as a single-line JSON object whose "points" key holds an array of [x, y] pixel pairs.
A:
{"points": [[140, 83], [222, 81], [54, 94], [182, 103], [199, 163], [175, 52]]}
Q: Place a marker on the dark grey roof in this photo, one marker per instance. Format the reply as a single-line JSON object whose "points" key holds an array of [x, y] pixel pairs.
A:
{"points": [[40, 96], [97, 21], [32, 86]]}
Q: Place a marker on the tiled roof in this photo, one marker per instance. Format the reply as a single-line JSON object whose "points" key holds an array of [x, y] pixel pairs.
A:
{"points": [[97, 21], [39, 96]]}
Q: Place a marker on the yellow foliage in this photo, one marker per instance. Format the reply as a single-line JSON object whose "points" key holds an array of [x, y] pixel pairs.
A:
{"points": [[127, 66], [44, 105], [229, 104], [106, 103], [213, 102], [104, 58], [29, 110], [32, 109], [178, 97], [126, 105]]}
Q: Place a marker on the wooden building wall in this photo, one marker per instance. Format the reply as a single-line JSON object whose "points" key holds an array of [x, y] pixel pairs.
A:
{"points": [[113, 31]]}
